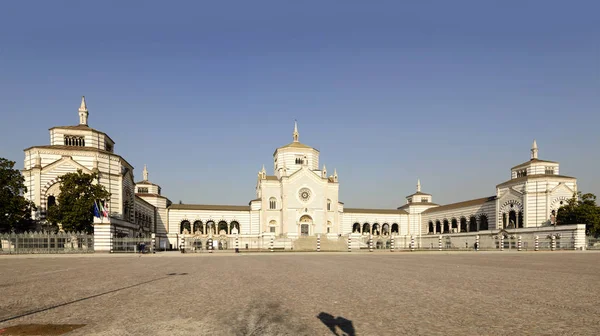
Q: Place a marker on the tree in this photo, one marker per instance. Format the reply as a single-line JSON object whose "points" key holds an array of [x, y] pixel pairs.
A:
{"points": [[75, 204], [15, 210], [581, 209]]}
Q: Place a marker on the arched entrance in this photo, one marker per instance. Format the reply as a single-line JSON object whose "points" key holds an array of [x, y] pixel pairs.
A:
{"points": [[305, 224]]}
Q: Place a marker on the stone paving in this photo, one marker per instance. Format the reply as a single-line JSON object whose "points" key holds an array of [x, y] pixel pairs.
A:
{"points": [[471, 293]]}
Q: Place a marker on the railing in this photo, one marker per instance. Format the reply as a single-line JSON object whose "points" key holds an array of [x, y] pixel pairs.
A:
{"points": [[46, 242], [131, 245], [592, 243]]}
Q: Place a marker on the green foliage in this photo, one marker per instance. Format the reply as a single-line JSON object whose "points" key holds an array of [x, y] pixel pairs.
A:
{"points": [[581, 209], [15, 210], [75, 204]]}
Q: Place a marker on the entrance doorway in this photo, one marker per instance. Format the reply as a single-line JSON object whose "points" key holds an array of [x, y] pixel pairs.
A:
{"points": [[305, 223]]}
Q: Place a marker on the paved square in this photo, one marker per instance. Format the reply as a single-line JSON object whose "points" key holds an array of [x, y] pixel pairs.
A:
{"points": [[305, 294]]}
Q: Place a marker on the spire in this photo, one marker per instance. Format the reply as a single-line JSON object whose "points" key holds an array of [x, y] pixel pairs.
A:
{"points": [[145, 173], [83, 112], [263, 169], [296, 134], [534, 150], [418, 185], [324, 172], [335, 175]]}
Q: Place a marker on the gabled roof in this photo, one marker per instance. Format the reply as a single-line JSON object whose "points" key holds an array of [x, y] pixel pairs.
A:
{"points": [[478, 201], [376, 211], [83, 128], [532, 161], [150, 195], [78, 148], [147, 182], [295, 144], [210, 207], [532, 177], [419, 193], [416, 203]]}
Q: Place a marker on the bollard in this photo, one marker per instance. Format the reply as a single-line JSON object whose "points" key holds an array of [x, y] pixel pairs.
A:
{"points": [[501, 242], [440, 243], [318, 243], [412, 243], [271, 244], [349, 243], [537, 244], [477, 243], [519, 244], [392, 244], [553, 242], [182, 244], [237, 244], [111, 243], [153, 243], [209, 242], [370, 243]]}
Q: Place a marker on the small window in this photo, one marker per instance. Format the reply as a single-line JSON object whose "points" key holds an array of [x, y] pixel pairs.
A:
{"points": [[424, 199], [328, 205], [142, 190], [74, 140], [272, 229], [272, 203], [549, 170], [328, 230], [108, 147]]}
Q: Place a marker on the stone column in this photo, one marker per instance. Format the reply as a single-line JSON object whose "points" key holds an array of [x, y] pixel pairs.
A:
{"points": [[525, 201]]}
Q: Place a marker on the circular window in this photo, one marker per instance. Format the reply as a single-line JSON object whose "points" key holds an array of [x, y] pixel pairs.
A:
{"points": [[304, 194]]}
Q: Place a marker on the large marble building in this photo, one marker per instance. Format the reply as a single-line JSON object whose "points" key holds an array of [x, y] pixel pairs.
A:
{"points": [[300, 198]]}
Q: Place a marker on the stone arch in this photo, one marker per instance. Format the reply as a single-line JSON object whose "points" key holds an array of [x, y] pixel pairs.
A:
{"points": [[222, 227], [446, 226], [504, 213], [305, 225], [454, 225], [558, 202], [483, 222], [431, 227], [473, 224], [385, 229], [185, 225], [366, 228], [395, 228], [198, 226], [463, 224], [376, 229], [211, 227], [356, 228], [438, 226], [234, 225]]}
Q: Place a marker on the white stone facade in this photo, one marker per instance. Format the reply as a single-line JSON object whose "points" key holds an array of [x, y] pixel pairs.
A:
{"points": [[300, 198]]}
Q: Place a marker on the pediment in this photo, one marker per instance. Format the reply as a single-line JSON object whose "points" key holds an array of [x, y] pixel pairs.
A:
{"points": [[304, 172], [511, 195], [562, 187], [65, 161]]}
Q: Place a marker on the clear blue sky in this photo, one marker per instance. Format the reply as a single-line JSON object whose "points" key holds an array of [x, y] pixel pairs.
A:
{"points": [[451, 92]]}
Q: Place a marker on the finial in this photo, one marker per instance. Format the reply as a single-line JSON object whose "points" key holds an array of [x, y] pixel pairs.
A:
{"points": [[83, 106], [418, 185], [534, 150], [296, 134], [263, 168], [83, 112], [145, 173]]}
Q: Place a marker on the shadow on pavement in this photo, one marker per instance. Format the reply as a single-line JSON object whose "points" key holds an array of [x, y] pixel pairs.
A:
{"points": [[85, 298], [334, 323]]}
